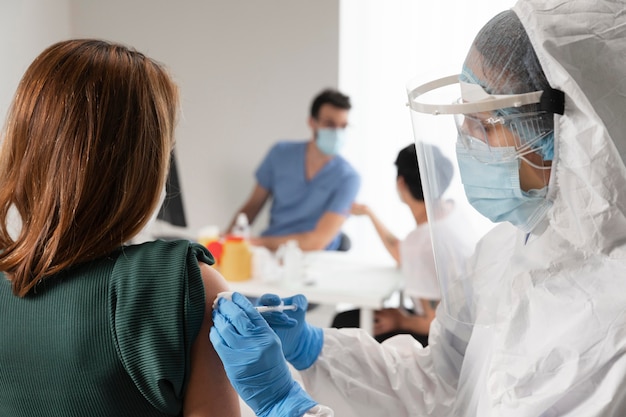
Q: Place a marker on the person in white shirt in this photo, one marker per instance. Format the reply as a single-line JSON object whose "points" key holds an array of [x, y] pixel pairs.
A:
{"points": [[414, 253]]}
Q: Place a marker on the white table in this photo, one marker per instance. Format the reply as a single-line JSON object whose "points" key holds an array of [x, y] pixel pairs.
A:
{"points": [[338, 278]]}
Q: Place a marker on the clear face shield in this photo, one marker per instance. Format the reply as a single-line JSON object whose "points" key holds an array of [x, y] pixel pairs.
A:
{"points": [[501, 147]]}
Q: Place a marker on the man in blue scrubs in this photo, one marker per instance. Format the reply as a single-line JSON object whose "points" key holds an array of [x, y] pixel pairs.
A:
{"points": [[311, 186]]}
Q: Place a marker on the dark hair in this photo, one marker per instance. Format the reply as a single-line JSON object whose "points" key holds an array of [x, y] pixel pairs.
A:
{"points": [[506, 52], [408, 168], [85, 156], [332, 97], [511, 66]]}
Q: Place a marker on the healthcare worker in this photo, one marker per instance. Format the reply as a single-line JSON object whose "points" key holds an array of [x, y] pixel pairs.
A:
{"points": [[536, 325]]}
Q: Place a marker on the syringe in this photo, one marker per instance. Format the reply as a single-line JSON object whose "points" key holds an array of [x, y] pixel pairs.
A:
{"points": [[280, 307], [261, 309]]}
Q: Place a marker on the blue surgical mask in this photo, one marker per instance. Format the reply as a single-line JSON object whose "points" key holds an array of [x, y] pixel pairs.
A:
{"points": [[330, 141], [494, 189]]}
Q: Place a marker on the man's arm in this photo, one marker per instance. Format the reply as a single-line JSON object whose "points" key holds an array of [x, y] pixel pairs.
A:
{"points": [[391, 242], [253, 206], [317, 239]]}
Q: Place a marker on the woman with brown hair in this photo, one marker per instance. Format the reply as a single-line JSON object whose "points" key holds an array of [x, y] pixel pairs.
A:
{"points": [[92, 326]]}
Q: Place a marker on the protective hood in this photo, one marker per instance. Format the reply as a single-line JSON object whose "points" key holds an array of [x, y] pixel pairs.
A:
{"points": [[588, 64]]}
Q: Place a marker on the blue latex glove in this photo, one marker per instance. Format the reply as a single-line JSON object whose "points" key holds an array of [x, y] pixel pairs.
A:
{"points": [[302, 343], [254, 362]]}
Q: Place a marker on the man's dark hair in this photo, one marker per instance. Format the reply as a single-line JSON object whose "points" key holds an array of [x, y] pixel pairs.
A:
{"points": [[332, 97], [408, 168]]}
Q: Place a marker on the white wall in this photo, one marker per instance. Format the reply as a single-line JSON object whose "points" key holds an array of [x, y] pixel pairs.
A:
{"points": [[26, 28], [247, 71]]}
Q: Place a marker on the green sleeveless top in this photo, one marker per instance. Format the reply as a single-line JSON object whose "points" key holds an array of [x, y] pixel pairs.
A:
{"points": [[111, 337]]}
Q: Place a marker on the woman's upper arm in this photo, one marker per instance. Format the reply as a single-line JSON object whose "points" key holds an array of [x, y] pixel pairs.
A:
{"points": [[209, 392]]}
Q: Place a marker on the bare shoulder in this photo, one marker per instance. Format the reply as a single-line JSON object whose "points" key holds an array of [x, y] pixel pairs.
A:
{"points": [[214, 282], [209, 392]]}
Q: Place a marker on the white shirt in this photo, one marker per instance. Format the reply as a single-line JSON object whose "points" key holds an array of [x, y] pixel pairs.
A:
{"points": [[418, 265]]}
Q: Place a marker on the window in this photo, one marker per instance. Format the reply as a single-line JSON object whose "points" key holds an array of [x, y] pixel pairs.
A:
{"points": [[384, 44]]}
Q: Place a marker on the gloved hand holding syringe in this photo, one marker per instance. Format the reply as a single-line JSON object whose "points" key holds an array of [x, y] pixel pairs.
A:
{"points": [[253, 353]]}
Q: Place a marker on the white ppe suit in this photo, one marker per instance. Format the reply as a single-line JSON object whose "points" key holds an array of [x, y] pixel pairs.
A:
{"points": [[559, 346]]}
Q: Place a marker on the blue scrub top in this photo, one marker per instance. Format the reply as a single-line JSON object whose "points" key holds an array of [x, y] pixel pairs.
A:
{"points": [[298, 203]]}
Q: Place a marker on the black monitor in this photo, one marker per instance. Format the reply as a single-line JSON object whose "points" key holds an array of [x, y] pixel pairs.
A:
{"points": [[172, 210]]}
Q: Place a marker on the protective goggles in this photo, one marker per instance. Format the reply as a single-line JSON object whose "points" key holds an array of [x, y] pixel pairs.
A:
{"points": [[485, 121], [526, 132]]}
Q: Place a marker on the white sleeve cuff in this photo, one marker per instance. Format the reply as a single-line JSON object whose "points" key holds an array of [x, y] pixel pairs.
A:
{"points": [[319, 411]]}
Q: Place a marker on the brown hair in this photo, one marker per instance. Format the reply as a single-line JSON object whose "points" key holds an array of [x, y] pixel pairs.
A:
{"points": [[85, 156]]}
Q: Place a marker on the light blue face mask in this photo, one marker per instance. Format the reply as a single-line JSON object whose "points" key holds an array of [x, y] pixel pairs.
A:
{"points": [[494, 189], [330, 141]]}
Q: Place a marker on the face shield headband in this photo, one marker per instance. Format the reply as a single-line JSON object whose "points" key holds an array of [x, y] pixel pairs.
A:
{"points": [[552, 101], [496, 120]]}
